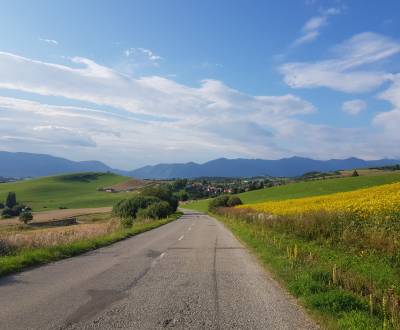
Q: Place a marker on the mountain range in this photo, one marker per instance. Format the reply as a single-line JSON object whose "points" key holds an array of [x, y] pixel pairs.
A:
{"points": [[22, 164]]}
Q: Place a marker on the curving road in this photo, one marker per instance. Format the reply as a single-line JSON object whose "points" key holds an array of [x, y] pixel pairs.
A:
{"points": [[189, 274]]}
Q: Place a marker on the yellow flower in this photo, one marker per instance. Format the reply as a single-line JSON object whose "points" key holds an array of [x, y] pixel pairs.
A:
{"points": [[380, 201]]}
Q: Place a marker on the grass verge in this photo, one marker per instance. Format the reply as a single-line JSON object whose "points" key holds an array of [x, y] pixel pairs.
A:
{"points": [[343, 288], [37, 256]]}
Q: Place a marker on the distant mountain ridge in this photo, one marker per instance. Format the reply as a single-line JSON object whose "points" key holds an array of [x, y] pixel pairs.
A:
{"points": [[240, 167], [23, 164]]}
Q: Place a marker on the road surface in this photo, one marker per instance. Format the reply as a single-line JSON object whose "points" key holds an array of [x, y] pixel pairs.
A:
{"points": [[189, 274]]}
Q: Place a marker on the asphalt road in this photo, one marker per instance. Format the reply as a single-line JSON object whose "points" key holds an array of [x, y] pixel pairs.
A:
{"points": [[189, 274]]}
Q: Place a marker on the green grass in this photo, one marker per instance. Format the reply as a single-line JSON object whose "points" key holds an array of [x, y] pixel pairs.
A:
{"points": [[38, 256], [70, 191], [306, 189], [309, 275]]}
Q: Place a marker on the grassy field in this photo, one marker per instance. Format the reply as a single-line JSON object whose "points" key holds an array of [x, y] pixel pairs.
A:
{"points": [[65, 191], [307, 189]]}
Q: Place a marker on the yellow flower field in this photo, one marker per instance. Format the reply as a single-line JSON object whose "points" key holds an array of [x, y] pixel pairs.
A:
{"points": [[378, 201]]}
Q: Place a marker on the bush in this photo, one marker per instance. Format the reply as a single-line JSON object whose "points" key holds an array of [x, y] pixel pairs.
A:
{"points": [[1, 206], [7, 213], [233, 201], [25, 217], [127, 208], [157, 210], [18, 209], [223, 201], [164, 193], [11, 200], [217, 202], [15, 211]]}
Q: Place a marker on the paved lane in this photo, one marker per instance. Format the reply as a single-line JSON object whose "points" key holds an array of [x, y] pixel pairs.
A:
{"points": [[189, 274]]}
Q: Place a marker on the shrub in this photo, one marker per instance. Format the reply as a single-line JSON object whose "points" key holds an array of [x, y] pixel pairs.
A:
{"points": [[1, 206], [223, 201], [219, 201], [164, 193], [157, 210], [127, 208], [233, 201], [25, 217], [17, 209], [11, 200], [7, 213]]}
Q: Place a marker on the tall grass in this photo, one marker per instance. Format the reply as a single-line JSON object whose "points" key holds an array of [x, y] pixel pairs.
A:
{"points": [[344, 268]]}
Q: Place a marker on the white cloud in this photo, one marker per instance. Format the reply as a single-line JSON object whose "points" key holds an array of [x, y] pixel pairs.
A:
{"points": [[354, 107], [49, 41], [181, 122], [312, 28], [345, 71]]}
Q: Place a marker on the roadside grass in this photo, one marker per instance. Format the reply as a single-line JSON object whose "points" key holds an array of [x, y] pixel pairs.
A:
{"points": [[17, 259], [66, 191], [343, 285], [305, 189]]}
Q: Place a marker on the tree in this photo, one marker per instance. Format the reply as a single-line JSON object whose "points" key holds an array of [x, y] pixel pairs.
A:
{"points": [[164, 193], [355, 173], [127, 208], [11, 200], [25, 217]]}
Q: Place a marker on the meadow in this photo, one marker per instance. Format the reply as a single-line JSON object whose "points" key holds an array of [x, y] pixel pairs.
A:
{"points": [[66, 191], [306, 189]]}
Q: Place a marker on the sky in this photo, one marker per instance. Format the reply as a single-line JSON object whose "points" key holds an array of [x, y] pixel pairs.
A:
{"points": [[133, 83]]}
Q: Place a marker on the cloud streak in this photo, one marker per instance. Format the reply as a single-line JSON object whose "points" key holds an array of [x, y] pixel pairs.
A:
{"points": [[346, 71], [312, 28], [49, 41]]}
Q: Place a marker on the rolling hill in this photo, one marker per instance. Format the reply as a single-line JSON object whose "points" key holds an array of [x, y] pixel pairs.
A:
{"points": [[65, 191]]}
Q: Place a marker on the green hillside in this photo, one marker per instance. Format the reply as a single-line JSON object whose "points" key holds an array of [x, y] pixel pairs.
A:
{"points": [[79, 190], [307, 188]]}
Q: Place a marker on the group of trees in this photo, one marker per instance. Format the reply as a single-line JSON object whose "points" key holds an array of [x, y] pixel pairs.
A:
{"points": [[155, 202], [12, 208]]}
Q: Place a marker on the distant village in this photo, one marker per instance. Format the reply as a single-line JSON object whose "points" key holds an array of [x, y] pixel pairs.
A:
{"points": [[211, 187]]}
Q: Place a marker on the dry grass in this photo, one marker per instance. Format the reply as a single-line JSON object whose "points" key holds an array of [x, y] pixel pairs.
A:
{"points": [[47, 237]]}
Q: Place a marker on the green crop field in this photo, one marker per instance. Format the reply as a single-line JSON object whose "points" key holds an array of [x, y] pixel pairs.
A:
{"points": [[307, 188], [79, 190]]}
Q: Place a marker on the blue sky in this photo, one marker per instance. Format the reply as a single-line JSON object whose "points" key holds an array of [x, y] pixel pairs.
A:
{"points": [[141, 82]]}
